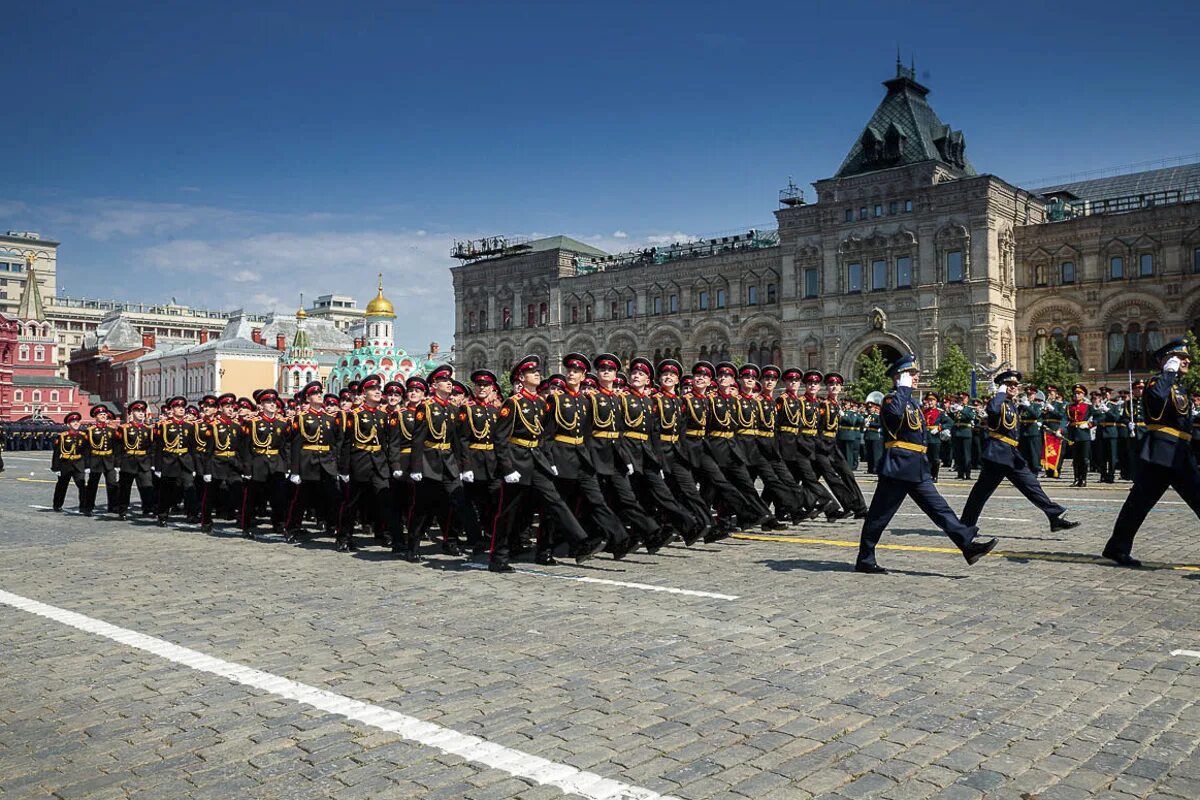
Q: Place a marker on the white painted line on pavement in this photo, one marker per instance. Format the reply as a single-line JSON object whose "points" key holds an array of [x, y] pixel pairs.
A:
{"points": [[648, 587], [1065, 499], [514, 762], [1192, 653]]}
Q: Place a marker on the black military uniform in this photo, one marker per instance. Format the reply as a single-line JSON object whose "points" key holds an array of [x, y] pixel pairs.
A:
{"points": [[528, 475], [434, 464], [681, 478], [312, 461], [831, 459], [366, 463], [1166, 458], [796, 430], [403, 490], [904, 472], [1002, 459], [719, 432], [69, 462], [136, 464], [103, 461], [267, 466], [480, 473], [748, 425], [172, 447], [221, 463]]}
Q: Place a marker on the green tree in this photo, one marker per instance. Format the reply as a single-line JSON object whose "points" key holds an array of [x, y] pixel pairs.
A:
{"points": [[1053, 368], [953, 374], [870, 369], [1192, 379]]}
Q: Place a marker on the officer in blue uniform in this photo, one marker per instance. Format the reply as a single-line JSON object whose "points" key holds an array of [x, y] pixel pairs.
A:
{"points": [[1166, 458], [904, 472], [1002, 458]]}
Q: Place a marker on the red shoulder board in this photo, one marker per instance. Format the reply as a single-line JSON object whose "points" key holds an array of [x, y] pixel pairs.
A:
{"points": [[504, 412]]}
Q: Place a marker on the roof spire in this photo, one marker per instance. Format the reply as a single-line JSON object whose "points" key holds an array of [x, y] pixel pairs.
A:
{"points": [[31, 297], [899, 66]]}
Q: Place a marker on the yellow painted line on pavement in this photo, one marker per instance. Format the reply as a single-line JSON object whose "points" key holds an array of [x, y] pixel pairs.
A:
{"points": [[1020, 555], [36, 480]]}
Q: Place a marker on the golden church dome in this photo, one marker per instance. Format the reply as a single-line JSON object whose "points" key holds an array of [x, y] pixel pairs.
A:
{"points": [[380, 306], [301, 314]]}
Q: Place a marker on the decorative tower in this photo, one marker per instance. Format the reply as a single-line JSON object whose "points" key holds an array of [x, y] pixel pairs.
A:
{"points": [[37, 343], [380, 319], [375, 350], [298, 364]]}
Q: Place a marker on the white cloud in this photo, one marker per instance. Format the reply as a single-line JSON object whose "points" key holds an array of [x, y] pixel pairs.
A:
{"points": [[245, 276], [620, 235]]}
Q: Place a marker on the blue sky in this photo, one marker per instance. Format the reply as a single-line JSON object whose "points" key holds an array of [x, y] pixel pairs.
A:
{"points": [[232, 156]]}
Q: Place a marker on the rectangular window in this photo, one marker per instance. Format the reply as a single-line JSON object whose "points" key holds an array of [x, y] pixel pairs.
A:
{"points": [[674, 303], [4, 265], [574, 313], [1146, 264], [704, 301], [862, 213], [770, 293], [908, 206], [1196, 260], [658, 305], [720, 298], [612, 310], [752, 296], [810, 282], [892, 208], [904, 271], [879, 209], [849, 218], [854, 278], [1116, 268], [954, 266], [878, 275], [629, 308], [1068, 272]]}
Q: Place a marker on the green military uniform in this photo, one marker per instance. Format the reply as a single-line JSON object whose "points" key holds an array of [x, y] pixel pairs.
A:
{"points": [[963, 435], [1104, 446], [872, 440], [936, 421], [1124, 420], [1053, 414], [1030, 427], [849, 436]]}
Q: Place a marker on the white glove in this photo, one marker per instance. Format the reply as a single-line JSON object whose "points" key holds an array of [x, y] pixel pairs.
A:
{"points": [[397, 474], [344, 478], [245, 477], [905, 379], [158, 473], [1172, 364], [208, 478], [468, 476], [118, 471], [1132, 427], [87, 472], [296, 479], [554, 470], [662, 474], [1024, 401], [629, 469], [1093, 434], [416, 476], [512, 477], [56, 473]]}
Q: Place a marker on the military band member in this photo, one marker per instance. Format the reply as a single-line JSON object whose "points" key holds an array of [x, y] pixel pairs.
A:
{"points": [[1030, 425], [69, 461], [312, 454], [1053, 416], [1166, 457], [1104, 446], [1079, 430], [904, 472], [172, 446], [221, 464], [873, 433], [962, 435], [1002, 459], [137, 461], [1137, 426], [528, 473], [104, 461], [437, 452], [366, 463], [937, 423]]}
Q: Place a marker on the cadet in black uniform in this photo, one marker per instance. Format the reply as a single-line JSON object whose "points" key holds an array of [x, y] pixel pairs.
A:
{"points": [[267, 464], [1166, 458], [477, 430], [677, 467], [312, 459], [904, 472], [777, 491], [222, 464], [366, 463], [720, 437], [137, 461], [1002, 458], [172, 446], [528, 473], [830, 460], [796, 431], [103, 461], [69, 461]]}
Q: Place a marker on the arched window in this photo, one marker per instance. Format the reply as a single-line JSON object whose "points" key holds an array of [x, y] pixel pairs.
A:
{"points": [[23, 352], [720, 298], [506, 318], [574, 313], [770, 294], [587, 313], [544, 314], [1132, 347], [471, 322], [658, 307], [704, 352], [752, 354], [613, 309], [530, 315], [1039, 275], [752, 296], [483, 319]]}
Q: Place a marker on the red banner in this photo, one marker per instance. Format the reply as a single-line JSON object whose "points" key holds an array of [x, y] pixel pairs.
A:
{"points": [[1052, 447]]}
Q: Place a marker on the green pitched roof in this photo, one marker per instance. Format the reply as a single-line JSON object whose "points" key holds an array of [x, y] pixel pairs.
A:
{"points": [[905, 130], [31, 298]]}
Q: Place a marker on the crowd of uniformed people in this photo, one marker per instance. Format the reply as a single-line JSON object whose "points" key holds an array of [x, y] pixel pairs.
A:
{"points": [[596, 460]]}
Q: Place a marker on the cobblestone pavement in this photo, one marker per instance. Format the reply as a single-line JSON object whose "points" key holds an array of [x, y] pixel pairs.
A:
{"points": [[1039, 673]]}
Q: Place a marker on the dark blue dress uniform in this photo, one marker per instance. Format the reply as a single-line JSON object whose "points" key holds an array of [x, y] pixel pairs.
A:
{"points": [[904, 472], [1165, 460], [1002, 459]]}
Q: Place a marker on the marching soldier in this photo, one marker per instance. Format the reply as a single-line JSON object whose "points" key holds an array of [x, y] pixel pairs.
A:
{"points": [[477, 430], [796, 430], [528, 473], [137, 461], [720, 438], [69, 461], [830, 458], [312, 461], [810, 503], [404, 491], [172, 446], [1166, 457], [221, 463], [962, 436], [1002, 459], [904, 472], [267, 465], [677, 465], [434, 466], [782, 493], [366, 463], [103, 461]]}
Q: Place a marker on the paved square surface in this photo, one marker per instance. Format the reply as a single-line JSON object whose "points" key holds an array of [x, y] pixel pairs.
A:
{"points": [[139, 662]]}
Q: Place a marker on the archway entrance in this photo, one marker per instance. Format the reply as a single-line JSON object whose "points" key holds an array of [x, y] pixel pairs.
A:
{"points": [[889, 354]]}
